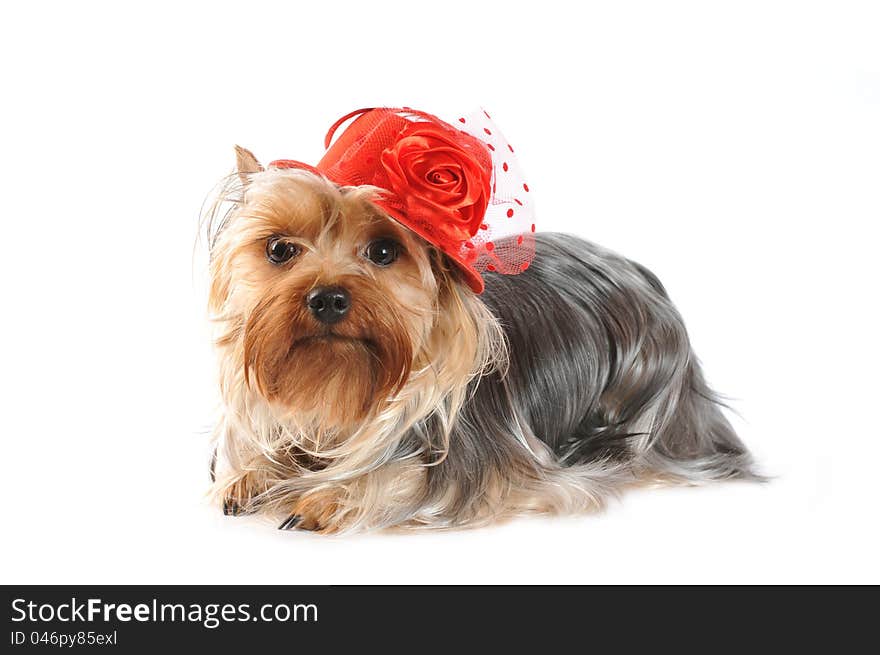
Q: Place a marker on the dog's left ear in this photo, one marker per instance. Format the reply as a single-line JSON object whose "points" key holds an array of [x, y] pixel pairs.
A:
{"points": [[246, 163]]}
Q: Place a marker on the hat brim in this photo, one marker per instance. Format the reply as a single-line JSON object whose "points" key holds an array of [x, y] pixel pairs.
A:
{"points": [[471, 276]]}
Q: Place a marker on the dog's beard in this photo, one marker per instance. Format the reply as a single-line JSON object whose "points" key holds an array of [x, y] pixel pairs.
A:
{"points": [[329, 376]]}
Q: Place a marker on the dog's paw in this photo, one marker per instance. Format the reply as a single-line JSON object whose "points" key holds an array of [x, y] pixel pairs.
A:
{"points": [[239, 498], [231, 507], [292, 522], [307, 524], [314, 513]]}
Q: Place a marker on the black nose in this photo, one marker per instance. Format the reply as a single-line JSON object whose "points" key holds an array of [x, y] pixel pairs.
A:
{"points": [[329, 304]]}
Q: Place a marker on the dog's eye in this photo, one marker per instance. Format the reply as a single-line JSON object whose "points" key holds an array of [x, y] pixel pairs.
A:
{"points": [[279, 251], [383, 252]]}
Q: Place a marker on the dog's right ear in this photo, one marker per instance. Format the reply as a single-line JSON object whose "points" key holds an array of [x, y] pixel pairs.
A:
{"points": [[246, 163]]}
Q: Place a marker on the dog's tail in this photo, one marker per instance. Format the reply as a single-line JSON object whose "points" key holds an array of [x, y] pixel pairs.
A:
{"points": [[690, 438], [693, 440]]}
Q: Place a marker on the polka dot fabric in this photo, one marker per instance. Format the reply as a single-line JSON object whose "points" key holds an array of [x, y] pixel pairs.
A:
{"points": [[505, 242]]}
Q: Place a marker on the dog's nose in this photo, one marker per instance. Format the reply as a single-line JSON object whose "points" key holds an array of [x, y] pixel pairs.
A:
{"points": [[329, 304]]}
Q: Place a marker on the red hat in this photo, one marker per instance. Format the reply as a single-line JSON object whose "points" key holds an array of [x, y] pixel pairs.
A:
{"points": [[459, 188]]}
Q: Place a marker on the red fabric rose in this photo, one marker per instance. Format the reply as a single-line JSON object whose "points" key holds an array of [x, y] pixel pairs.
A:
{"points": [[442, 177]]}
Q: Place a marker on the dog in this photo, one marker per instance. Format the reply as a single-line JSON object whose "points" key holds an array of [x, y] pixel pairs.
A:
{"points": [[386, 359]]}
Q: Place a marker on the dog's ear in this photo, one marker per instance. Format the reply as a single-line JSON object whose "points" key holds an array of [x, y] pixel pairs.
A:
{"points": [[246, 163]]}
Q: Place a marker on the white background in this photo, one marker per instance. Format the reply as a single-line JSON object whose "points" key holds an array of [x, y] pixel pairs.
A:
{"points": [[734, 148]]}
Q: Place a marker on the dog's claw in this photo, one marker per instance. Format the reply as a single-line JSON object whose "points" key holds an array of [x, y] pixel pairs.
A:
{"points": [[291, 522], [231, 508]]}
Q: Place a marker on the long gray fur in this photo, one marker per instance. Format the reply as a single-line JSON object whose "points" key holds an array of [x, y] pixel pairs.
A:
{"points": [[601, 370]]}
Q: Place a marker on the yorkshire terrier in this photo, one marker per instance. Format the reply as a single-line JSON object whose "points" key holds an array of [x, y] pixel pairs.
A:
{"points": [[398, 347]]}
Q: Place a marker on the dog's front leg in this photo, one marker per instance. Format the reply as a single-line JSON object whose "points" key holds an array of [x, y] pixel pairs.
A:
{"points": [[399, 486]]}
